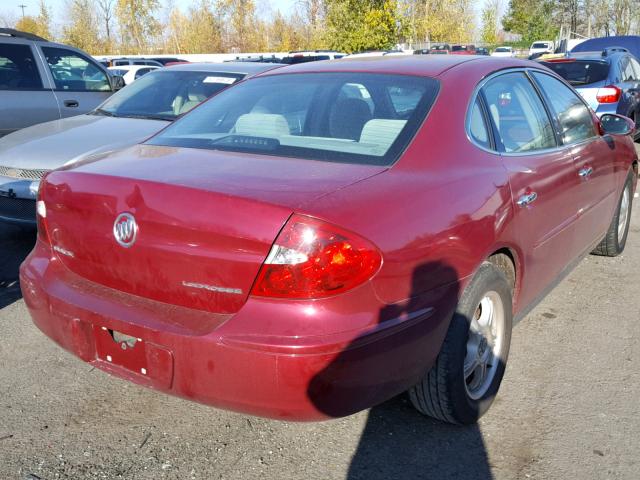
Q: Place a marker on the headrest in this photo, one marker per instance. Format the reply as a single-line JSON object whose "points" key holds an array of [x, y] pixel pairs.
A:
{"points": [[262, 125], [381, 131]]}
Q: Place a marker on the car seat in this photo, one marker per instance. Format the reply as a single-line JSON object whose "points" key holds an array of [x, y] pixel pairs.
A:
{"points": [[347, 118]]}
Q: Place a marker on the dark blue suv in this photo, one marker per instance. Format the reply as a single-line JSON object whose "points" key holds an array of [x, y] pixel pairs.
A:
{"points": [[608, 80]]}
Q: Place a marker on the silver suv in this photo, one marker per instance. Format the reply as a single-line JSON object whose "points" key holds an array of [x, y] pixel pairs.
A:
{"points": [[42, 81]]}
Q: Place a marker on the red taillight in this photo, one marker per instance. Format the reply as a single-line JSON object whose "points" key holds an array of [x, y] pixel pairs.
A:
{"points": [[313, 259], [608, 94]]}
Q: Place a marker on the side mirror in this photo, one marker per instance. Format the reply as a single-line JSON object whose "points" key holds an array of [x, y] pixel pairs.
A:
{"points": [[614, 124], [117, 82]]}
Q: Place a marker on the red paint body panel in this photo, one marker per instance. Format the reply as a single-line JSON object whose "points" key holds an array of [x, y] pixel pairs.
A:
{"points": [[435, 216]]}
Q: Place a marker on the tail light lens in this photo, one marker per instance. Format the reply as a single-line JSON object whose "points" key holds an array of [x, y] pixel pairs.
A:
{"points": [[313, 259], [608, 94]]}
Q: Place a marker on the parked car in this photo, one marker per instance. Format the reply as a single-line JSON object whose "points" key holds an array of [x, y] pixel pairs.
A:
{"points": [[130, 116], [540, 47], [303, 56], [379, 53], [42, 81], [482, 51], [119, 62], [440, 48], [609, 80], [463, 50], [130, 73], [630, 42], [503, 52], [169, 60], [259, 254]]}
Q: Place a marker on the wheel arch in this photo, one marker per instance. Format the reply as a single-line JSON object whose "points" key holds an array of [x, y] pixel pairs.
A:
{"points": [[509, 262]]}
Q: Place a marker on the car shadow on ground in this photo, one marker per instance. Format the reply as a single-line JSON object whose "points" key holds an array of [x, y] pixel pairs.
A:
{"points": [[397, 441], [400, 443], [15, 245]]}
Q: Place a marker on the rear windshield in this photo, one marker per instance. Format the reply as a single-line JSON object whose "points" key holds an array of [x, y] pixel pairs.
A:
{"points": [[540, 45], [503, 49], [360, 118], [581, 72], [458, 48]]}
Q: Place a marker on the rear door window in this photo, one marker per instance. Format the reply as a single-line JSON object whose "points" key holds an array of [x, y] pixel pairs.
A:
{"points": [[518, 114], [574, 118], [636, 68], [580, 72], [72, 72], [18, 68], [628, 74]]}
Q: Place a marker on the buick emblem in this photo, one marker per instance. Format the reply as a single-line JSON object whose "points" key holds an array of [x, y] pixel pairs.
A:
{"points": [[125, 229]]}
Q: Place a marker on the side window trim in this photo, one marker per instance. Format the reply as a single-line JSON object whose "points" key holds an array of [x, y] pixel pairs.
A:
{"points": [[497, 141], [495, 144], [547, 103], [79, 54]]}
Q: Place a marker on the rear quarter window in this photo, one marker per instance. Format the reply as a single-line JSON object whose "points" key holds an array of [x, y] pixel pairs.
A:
{"points": [[581, 72]]}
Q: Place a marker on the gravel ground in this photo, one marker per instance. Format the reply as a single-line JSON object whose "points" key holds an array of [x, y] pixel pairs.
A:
{"points": [[568, 407]]}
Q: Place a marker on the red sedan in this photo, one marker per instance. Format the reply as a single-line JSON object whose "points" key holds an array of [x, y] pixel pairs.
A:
{"points": [[322, 237]]}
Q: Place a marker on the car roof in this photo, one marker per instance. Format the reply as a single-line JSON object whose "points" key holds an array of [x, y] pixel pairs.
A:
{"points": [[419, 65], [133, 67], [630, 42], [244, 68]]}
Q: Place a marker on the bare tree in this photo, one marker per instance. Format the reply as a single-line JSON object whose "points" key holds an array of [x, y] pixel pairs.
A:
{"points": [[107, 12]]}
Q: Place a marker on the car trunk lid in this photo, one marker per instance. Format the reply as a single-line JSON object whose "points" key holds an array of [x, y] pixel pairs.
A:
{"points": [[206, 220]]}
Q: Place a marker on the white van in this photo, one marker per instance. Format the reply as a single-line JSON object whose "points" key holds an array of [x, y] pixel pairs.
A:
{"points": [[541, 46]]}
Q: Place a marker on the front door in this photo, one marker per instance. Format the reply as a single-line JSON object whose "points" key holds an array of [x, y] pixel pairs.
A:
{"points": [[596, 198], [80, 84]]}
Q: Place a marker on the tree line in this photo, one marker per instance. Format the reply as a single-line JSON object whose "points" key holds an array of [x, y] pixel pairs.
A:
{"points": [[236, 26], [542, 19]]}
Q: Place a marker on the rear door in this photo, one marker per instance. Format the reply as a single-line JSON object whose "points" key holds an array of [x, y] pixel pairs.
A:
{"points": [[24, 98], [80, 84], [629, 85], [542, 175], [592, 155]]}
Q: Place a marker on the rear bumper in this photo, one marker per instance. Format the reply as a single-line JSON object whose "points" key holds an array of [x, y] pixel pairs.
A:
{"points": [[296, 377], [608, 108]]}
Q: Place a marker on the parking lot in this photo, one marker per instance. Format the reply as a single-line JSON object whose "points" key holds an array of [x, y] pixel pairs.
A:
{"points": [[568, 407]]}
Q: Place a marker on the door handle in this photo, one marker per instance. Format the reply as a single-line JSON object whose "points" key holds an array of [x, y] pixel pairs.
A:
{"points": [[527, 199], [585, 172], [71, 103]]}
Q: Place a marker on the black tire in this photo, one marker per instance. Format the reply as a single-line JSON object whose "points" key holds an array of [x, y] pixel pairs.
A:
{"points": [[613, 243], [443, 393]]}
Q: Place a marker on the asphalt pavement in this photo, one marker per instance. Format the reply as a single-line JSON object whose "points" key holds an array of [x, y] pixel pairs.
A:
{"points": [[569, 407]]}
